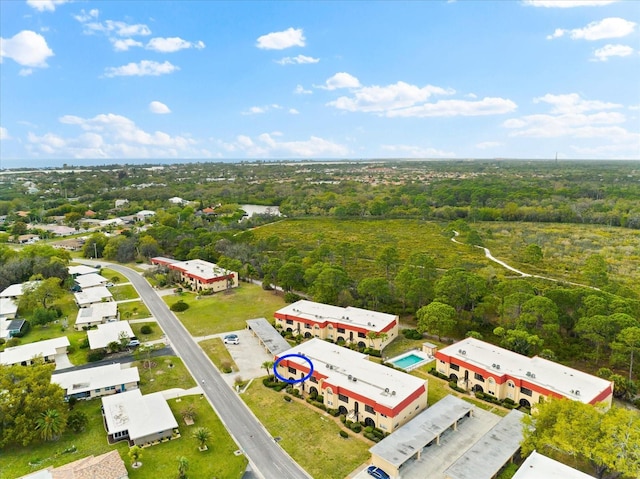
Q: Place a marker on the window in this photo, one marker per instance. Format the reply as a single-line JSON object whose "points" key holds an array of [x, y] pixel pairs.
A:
{"points": [[329, 391], [316, 327], [478, 377], [307, 326], [313, 380], [292, 370], [343, 398], [341, 330], [369, 409], [526, 391], [289, 321], [362, 335], [329, 327], [510, 384], [455, 367]]}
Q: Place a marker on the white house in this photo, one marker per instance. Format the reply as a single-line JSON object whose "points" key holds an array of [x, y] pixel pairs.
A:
{"points": [[97, 294], [16, 290], [537, 466], [8, 308], [25, 353], [108, 333], [176, 200], [96, 314], [120, 203], [97, 381], [140, 419], [81, 269], [91, 280], [144, 214]]}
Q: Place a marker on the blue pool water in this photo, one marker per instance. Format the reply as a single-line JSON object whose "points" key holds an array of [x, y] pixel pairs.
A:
{"points": [[408, 361]]}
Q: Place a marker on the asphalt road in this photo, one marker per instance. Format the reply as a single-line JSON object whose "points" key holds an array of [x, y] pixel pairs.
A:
{"points": [[268, 460]]}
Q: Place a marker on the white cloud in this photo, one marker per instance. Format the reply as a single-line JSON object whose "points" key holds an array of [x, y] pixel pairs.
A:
{"points": [[299, 60], [143, 68], [26, 48], [488, 144], [172, 44], [568, 3], [85, 16], [25, 72], [385, 98], [572, 103], [340, 80], [291, 37], [293, 111], [111, 27], [266, 146], [45, 5], [603, 54], [111, 136], [255, 110], [486, 106], [4, 133], [613, 27], [301, 91], [159, 108], [410, 151], [122, 45]]}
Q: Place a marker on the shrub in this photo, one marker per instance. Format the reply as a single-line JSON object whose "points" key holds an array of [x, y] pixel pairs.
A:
{"points": [[455, 387], [368, 429], [179, 306], [412, 334], [84, 344], [77, 421], [372, 436], [2, 341], [636, 403], [343, 418], [344, 434], [356, 427], [13, 342], [435, 373], [96, 355], [334, 412], [287, 398], [291, 297], [225, 367], [146, 329]]}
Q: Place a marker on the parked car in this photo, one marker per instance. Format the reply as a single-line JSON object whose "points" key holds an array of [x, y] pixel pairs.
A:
{"points": [[110, 284], [377, 472], [134, 342], [231, 339]]}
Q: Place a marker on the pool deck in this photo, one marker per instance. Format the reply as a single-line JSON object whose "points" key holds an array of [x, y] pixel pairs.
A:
{"points": [[414, 352]]}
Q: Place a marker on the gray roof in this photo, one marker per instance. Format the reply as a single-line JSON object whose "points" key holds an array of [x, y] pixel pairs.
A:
{"points": [[491, 452], [269, 336], [537, 466], [400, 446]]}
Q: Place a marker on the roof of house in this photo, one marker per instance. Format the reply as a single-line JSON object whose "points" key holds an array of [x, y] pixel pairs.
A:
{"points": [[145, 213], [105, 466], [490, 453], [97, 312], [200, 268], [163, 260], [320, 313], [82, 269], [268, 335], [352, 370], [26, 352], [17, 289], [410, 438], [92, 295], [552, 376], [107, 333], [138, 414], [8, 307], [90, 280], [98, 377], [537, 466]]}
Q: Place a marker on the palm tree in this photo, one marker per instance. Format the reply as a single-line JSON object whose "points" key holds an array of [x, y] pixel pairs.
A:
{"points": [[183, 467], [202, 435], [50, 424], [135, 454], [268, 366]]}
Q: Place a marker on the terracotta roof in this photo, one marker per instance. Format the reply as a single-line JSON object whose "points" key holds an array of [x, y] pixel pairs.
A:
{"points": [[105, 466]]}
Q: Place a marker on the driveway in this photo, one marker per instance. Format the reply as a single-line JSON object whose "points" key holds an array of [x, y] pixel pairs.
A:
{"points": [[62, 361]]}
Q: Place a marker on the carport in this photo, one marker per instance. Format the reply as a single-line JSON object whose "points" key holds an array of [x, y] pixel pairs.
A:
{"points": [[268, 336], [487, 457], [426, 428]]}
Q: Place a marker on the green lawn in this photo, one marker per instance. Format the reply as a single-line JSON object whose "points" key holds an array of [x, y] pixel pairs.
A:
{"points": [[223, 312], [158, 461], [133, 310], [218, 353], [156, 331], [122, 292], [310, 437], [166, 372], [113, 276]]}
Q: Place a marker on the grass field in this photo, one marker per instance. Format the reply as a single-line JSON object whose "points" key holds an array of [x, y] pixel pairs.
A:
{"points": [[166, 372], [156, 331], [223, 312], [133, 310], [158, 461], [122, 292], [308, 436], [218, 353]]}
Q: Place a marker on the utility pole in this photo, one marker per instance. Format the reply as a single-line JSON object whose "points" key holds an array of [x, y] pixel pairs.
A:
{"points": [[95, 249]]}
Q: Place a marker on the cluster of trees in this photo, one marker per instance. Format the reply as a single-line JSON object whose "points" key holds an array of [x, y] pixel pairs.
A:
{"points": [[36, 261]]}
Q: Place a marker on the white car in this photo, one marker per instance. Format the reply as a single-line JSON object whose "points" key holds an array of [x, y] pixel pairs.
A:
{"points": [[231, 339]]}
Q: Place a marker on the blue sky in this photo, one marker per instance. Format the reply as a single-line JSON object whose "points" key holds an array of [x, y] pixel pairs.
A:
{"points": [[117, 81]]}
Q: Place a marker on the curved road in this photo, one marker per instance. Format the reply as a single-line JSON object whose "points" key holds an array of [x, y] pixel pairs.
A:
{"points": [[267, 458]]}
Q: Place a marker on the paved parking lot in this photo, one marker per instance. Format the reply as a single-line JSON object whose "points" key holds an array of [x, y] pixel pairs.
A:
{"points": [[436, 459]]}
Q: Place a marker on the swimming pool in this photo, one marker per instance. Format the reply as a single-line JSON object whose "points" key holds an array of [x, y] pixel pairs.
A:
{"points": [[411, 360]]}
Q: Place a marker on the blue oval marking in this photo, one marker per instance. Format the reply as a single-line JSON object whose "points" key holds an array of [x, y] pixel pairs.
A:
{"points": [[293, 381]]}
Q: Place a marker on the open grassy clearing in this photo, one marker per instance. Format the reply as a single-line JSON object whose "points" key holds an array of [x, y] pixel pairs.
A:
{"points": [[158, 461], [166, 372], [133, 310], [113, 276], [408, 236], [223, 312], [312, 439], [122, 292], [156, 331], [218, 353]]}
